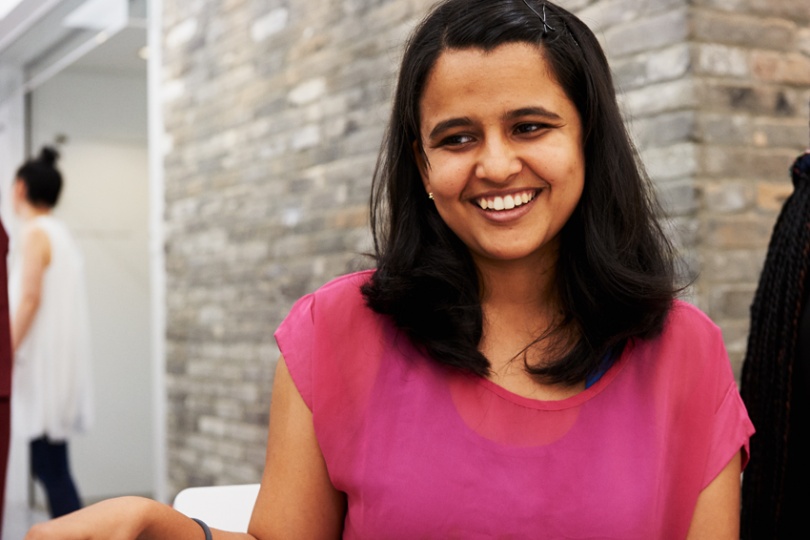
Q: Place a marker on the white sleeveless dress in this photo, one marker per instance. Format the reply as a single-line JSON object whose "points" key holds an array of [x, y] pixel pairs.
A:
{"points": [[52, 387]]}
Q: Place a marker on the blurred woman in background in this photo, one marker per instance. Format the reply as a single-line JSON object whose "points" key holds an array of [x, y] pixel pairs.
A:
{"points": [[50, 334]]}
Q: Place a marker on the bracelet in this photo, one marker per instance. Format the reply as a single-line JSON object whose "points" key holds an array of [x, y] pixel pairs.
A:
{"points": [[205, 528]]}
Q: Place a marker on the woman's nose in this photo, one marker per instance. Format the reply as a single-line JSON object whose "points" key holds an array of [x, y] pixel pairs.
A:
{"points": [[498, 161]]}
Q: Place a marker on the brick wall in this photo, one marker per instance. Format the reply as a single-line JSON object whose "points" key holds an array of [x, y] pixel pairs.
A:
{"points": [[716, 93], [751, 64], [274, 111]]}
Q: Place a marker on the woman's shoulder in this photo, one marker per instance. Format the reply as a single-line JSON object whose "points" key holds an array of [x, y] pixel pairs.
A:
{"points": [[687, 320], [48, 225], [692, 376], [344, 285], [338, 302], [341, 293], [690, 342], [325, 333], [36, 235]]}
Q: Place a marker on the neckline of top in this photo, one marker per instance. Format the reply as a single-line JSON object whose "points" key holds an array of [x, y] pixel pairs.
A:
{"points": [[570, 402]]}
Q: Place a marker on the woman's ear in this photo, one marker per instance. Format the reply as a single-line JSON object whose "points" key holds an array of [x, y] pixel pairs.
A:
{"points": [[421, 164]]}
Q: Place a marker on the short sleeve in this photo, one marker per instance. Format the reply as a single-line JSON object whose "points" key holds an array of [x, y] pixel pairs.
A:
{"points": [[731, 427], [733, 430], [295, 339]]}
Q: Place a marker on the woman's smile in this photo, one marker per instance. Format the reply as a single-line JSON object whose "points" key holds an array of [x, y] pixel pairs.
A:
{"points": [[509, 201]]}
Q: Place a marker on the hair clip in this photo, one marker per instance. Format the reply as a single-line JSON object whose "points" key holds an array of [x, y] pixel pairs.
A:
{"points": [[546, 26]]}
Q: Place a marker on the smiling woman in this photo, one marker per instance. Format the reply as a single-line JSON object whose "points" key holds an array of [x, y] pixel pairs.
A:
{"points": [[517, 365]]}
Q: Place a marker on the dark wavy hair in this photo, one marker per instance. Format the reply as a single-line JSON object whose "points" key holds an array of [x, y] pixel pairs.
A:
{"points": [[615, 272], [43, 181], [773, 375]]}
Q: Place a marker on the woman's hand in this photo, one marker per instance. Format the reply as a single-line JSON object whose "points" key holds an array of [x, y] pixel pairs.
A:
{"points": [[123, 518], [126, 518], [296, 499]]}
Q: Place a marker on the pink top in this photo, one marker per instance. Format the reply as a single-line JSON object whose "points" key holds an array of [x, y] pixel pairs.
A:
{"points": [[423, 451]]}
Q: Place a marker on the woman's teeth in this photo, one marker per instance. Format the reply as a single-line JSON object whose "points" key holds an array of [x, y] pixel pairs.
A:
{"points": [[507, 202]]}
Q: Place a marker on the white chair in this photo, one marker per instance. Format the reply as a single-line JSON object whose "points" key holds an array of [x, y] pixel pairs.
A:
{"points": [[220, 507]]}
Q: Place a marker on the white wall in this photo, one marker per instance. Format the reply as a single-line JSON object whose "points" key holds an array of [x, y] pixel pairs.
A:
{"points": [[12, 133], [105, 203]]}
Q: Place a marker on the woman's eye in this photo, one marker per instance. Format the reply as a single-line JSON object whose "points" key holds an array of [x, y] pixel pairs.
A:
{"points": [[529, 128], [455, 140]]}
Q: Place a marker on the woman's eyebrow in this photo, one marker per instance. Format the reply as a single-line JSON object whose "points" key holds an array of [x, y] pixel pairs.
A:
{"points": [[444, 125], [531, 111]]}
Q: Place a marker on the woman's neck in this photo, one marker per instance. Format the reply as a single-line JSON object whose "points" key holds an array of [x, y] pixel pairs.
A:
{"points": [[529, 285], [519, 300], [520, 303], [30, 212]]}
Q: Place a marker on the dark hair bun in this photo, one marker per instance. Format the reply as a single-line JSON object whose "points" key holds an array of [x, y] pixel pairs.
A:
{"points": [[48, 156]]}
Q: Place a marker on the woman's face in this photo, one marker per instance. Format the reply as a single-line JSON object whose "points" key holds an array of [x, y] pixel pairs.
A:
{"points": [[504, 151]]}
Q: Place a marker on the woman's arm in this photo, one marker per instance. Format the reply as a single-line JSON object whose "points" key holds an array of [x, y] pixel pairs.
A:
{"points": [[296, 499], [36, 256], [125, 518], [717, 513]]}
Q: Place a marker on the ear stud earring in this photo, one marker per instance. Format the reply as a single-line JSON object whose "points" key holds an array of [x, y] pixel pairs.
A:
{"points": [[430, 195]]}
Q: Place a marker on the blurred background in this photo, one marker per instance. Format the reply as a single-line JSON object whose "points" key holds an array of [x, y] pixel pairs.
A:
{"points": [[218, 156]]}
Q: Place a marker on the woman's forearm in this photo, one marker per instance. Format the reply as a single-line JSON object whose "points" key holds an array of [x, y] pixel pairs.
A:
{"points": [[126, 518]]}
